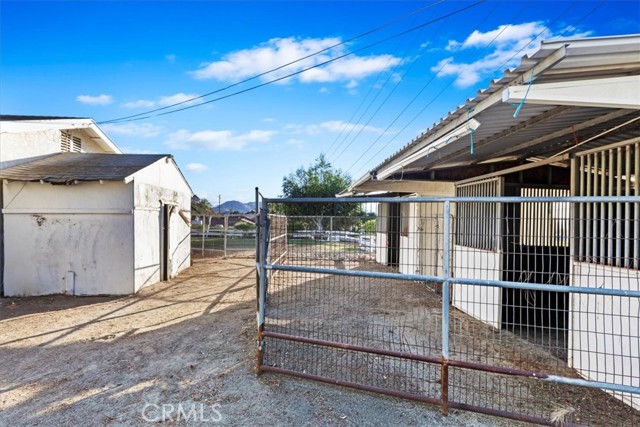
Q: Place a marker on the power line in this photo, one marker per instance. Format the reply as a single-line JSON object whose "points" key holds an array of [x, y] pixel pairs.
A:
{"points": [[411, 103], [257, 76], [546, 28], [372, 101], [149, 114]]}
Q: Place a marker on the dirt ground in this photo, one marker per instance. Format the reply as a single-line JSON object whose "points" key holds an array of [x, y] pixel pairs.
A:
{"points": [[185, 348]]}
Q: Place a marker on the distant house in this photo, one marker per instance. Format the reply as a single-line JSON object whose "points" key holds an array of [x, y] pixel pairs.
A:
{"points": [[233, 221], [81, 218]]}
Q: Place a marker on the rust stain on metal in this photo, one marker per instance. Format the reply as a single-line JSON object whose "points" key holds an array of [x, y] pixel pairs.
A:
{"points": [[444, 383]]}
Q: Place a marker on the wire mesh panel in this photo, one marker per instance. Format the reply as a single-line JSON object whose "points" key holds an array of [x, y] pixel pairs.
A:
{"points": [[504, 317], [223, 235]]}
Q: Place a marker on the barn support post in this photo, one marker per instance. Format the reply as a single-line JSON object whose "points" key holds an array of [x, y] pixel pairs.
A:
{"points": [[446, 267]]}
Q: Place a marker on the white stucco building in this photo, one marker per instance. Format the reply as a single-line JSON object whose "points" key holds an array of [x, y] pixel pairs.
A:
{"points": [[81, 218]]}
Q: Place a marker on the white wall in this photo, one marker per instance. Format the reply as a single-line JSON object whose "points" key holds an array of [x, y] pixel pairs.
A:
{"points": [[482, 302], [158, 184], [604, 334], [28, 145], [408, 257], [382, 224], [74, 239]]}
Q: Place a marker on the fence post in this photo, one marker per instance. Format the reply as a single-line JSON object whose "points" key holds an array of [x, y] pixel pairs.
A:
{"points": [[203, 236], [446, 268], [262, 285], [226, 229], [257, 219]]}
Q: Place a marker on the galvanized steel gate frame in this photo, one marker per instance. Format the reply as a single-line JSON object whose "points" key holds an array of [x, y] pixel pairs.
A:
{"points": [[264, 269]]}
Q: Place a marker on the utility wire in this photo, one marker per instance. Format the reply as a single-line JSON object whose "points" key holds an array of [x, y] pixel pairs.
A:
{"points": [[382, 104], [424, 87], [546, 28], [149, 114], [372, 101], [257, 76]]}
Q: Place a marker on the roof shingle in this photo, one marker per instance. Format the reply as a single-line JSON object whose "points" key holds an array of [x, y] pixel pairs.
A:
{"points": [[68, 167]]}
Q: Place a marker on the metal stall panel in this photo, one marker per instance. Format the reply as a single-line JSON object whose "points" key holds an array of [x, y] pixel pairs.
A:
{"points": [[477, 251], [603, 344]]}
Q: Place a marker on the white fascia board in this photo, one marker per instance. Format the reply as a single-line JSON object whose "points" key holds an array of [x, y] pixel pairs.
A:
{"points": [[459, 132], [103, 140], [614, 92]]}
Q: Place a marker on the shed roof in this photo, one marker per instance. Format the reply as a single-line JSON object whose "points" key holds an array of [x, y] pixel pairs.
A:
{"points": [[69, 167], [26, 118], [541, 129]]}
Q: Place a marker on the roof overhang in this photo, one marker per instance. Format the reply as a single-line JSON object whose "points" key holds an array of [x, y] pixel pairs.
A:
{"points": [[571, 93], [373, 188], [87, 125]]}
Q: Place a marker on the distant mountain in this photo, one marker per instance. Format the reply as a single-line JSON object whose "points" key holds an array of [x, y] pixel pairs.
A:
{"points": [[234, 205]]}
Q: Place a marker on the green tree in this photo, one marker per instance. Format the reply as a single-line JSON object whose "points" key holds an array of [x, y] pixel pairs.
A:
{"points": [[318, 180], [201, 207]]}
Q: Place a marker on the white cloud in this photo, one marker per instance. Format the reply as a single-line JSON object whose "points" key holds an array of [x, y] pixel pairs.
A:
{"points": [[268, 120], [171, 58], [332, 126], [196, 167], [324, 89], [162, 101], [276, 52], [144, 130], [95, 100], [505, 34], [217, 140], [133, 150], [174, 99], [504, 47], [295, 142], [141, 103]]}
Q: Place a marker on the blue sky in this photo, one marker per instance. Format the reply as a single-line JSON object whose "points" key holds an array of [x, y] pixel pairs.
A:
{"points": [[109, 60]]}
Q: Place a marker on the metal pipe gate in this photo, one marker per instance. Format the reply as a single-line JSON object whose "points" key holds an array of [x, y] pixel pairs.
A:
{"points": [[447, 329]]}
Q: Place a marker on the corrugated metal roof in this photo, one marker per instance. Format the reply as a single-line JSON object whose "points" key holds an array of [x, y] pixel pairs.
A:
{"points": [[68, 167], [500, 134]]}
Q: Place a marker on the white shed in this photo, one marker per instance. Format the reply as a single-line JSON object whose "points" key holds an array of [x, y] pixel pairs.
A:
{"points": [[91, 224]]}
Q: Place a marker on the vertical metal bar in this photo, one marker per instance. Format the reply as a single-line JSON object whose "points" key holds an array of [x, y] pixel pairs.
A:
{"points": [[581, 185], [594, 209], [636, 209], [226, 233], [587, 218], [610, 229], [257, 219], [618, 236], [446, 264], [627, 208], [603, 183], [574, 245]]}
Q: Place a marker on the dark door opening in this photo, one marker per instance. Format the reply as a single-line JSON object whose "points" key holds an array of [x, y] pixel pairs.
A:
{"points": [[165, 213], [536, 254], [393, 239]]}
